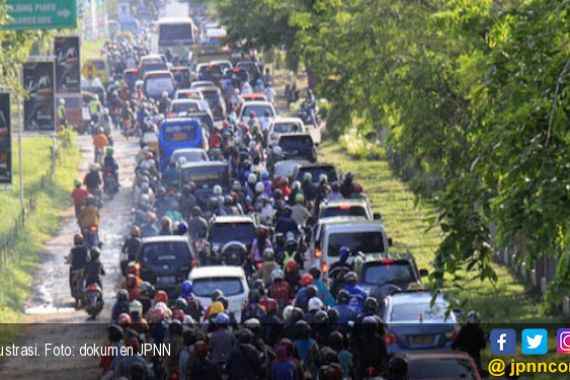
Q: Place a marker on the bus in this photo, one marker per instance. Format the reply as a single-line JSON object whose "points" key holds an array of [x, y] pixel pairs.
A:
{"points": [[177, 134], [177, 35]]}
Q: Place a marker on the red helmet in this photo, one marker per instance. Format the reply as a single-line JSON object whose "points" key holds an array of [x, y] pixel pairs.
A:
{"points": [[358, 188], [271, 305], [161, 296], [179, 315], [149, 155], [156, 314], [291, 266], [124, 320], [150, 217], [306, 280], [166, 221]]}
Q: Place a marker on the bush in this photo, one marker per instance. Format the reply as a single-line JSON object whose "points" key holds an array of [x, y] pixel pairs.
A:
{"points": [[359, 147]]}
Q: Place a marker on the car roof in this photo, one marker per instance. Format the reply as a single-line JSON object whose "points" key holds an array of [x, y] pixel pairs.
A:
{"points": [[201, 82], [307, 164], [204, 164], [158, 73], [164, 239], [295, 120], [188, 150], [258, 103], [232, 219], [422, 355], [216, 271], [209, 88], [355, 224], [341, 202], [184, 100], [291, 162], [295, 136], [413, 297], [339, 220]]}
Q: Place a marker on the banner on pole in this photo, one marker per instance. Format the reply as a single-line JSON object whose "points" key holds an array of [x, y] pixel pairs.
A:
{"points": [[5, 140], [39, 107], [67, 65]]}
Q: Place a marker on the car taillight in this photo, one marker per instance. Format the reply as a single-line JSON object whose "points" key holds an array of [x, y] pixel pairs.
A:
{"points": [[93, 287], [389, 338], [324, 267], [387, 261]]}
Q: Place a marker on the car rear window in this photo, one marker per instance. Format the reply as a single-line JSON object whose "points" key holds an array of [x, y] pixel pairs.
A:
{"points": [[398, 273], [185, 107], [410, 312], [225, 232], [329, 212], [365, 242], [295, 142], [286, 128], [258, 109], [165, 253], [441, 369], [316, 172], [207, 176], [230, 286]]}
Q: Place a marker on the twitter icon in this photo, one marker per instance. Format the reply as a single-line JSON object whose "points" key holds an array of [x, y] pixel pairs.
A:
{"points": [[534, 341]]}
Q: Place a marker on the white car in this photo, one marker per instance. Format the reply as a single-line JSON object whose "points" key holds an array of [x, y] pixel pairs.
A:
{"points": [[190, 154], [259, 107], [231, 280], [282, 125], [187, 93], [182, 107]]}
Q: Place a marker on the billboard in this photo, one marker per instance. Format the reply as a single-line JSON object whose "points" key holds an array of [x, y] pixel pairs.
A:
{"points": [[39, 107], [5, 140], [67, 65]]}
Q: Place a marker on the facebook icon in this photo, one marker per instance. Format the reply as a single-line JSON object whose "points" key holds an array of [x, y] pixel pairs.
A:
{"points": [[503, 341]]}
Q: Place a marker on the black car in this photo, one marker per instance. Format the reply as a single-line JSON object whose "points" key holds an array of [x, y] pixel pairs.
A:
{"points": [[297, 146], [216, 102], [205, 175], [395, 272], [316, 170], [165, 261], [225, 229], [205, 118]]}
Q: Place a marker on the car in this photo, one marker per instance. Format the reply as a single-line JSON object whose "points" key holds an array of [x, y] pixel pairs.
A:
{"points": [[415, 322], [213, 96], [347, 207], [441, 365], [399, 272], [224, 64], [259, 107], [157, 82], [182, 76], [231, 280], [297, 146], [316, 169], [182, 107], [209, 72], [205, 118], [201, 83], [282, 125], [187, 93], [286, 168], [205, 175], [190, 154], [150, 63], [224, 229], [357, 234], [254, 96], [165, 261], [252, 68]]}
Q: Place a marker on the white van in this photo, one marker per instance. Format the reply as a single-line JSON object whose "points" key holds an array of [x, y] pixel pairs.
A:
{"points": [[358, 235], [230, 280]]}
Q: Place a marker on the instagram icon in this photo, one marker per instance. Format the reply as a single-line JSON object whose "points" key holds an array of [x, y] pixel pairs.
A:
{"points": [[563, 341]]}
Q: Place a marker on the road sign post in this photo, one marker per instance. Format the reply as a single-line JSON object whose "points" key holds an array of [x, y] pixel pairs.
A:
{"points": [[41, 14]]}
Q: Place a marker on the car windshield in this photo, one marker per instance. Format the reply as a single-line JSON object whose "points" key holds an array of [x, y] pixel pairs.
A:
{"points": [[166, 253], [329, 212], [207, 176], [398, 273], [185, 107], [222, 233], [154, 66], [441, 368], [157, 85], [365, 242], [211, 95], [180, 132], [410, 312], [192, 156], [174, 32], [287, 128], [258, 109], [295, 142], [230, 286], [316, 172]]}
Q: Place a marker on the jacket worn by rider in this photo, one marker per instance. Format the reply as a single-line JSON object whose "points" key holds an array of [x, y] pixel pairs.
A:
{"points": [[79, 256], [100, 141], [131, 247], [92, 180], [93, 271], [89, 217], [110, 164]]}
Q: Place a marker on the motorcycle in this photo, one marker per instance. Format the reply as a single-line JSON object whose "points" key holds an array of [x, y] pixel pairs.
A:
{"points": [[309, 115], [96, 193], [110, 185], [93, 300]]}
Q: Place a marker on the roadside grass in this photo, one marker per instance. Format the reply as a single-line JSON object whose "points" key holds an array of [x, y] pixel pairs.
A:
{"points": [[405, 220], [16, 275]]}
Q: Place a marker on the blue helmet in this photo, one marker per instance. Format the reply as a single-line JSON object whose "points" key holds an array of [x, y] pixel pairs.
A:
{"points": [[222, 319], [187, 287], [265, 175], [344, 252], [182, 228]]}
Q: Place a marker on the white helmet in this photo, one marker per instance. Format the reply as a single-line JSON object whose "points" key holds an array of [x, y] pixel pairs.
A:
{"points": [[236, 91], [165, 94], [259, 187], [181, 160], [217, 190], [296, 185], [96, 97], [61, 102], [277, 150], [277, 274], [323, 178], [136, 306], [287, 312], [315, 304], [251, 178], [93, 167]]}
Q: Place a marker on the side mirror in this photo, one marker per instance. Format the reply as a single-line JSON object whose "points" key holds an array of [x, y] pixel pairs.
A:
{"points": [[390, 242], [377, 216], [423, 272]]}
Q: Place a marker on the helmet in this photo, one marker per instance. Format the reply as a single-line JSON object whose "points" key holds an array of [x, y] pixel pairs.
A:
{"points": [[180, 303], [77, 239], [156, 314], [306, 279], [277, 274], [178, 317], [291, 266], [161, 296], [343, 297], [343, 251], [122, 295], [277, 150], [271, 305], [124, 320], [216, 294], [109, 150], [216, 308], [182, 160], [77, 183], [132, 268], [166, 221], [201, 349], [321, 316], [62, 102], [187, 287], [222, 319], [147, 290], [370, 305], [149, 155], [268, 254], [307, 177], [277, 194], [252, 324], [182, 228], [136, 231], [287, 312], [302, 328], [93, 167], [296, 185], [351, 278], [299, 198], [315, 304], [115, 333], [371, 322], [100, 131], [95, 253], [251, 178], [217, 190], [136, 307], [323, 178], [472, 317], [311, 291], [96, 97], [259, 187], [196, 211], [253, 296], [150, 217], [265, 175], [165, 94]]}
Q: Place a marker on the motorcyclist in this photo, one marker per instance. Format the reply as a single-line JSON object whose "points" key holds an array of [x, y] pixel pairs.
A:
{"points": [[347, 186], [260, 243], [100, 142], [268, 266], [324, 293], [244, 360], [78, 257], [121, 305], [105, 122], [299, 213], [95, 109], [92, 180], [193, 305], [131, 247], [89, 215], [93, 269], [166, 226], [110, 164], [164, 103], [285, 222], [149, 228], [357, 294], [197, 225], [471, 338], [346, 313], [79, 196], [61, 117]]}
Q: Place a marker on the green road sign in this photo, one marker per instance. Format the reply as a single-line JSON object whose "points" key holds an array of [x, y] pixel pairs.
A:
{"points": [[41, 14]]}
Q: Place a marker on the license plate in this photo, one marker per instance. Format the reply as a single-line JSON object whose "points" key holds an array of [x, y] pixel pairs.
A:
{"points": [[165, 280], [422, 340]]}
